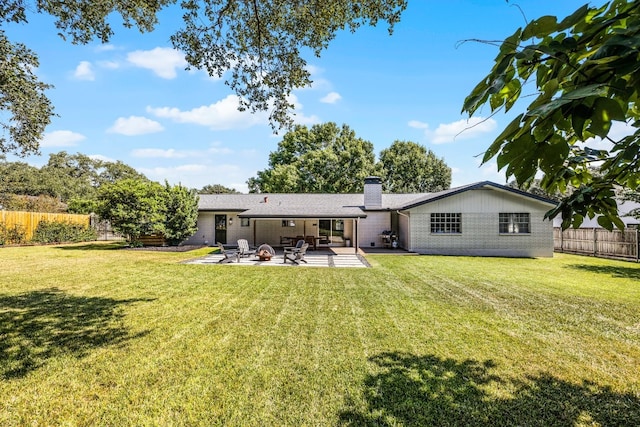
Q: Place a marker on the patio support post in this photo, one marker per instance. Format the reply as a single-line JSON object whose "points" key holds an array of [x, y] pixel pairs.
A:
{"points": [[356, 239]]}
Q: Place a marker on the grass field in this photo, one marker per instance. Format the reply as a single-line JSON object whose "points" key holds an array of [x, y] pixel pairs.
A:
{"points": [[94, 335]]}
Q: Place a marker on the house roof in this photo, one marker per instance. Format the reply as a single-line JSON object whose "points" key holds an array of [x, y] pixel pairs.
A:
{"points": [[290, 205], [432, 197]]}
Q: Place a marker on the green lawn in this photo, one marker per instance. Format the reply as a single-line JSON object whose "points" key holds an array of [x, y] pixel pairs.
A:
{"points": [[92, 335]]}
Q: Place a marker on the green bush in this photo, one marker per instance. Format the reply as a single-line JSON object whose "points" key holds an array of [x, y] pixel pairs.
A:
{"points": [[14, 235], [58, 232]]}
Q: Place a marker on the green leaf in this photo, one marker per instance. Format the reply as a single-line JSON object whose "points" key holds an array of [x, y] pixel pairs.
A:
{"points": [[578, 119], [541, 27], [510, 93], [574, 18], [604, 111], [578, 94], [506, 134], [605, 222]]}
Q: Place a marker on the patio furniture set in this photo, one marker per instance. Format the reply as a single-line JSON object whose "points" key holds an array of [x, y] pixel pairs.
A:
{"points": [[264, 252]]}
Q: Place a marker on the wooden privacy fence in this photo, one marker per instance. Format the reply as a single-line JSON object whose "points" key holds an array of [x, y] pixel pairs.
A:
{"points": [[598, 242], [30, 220]]}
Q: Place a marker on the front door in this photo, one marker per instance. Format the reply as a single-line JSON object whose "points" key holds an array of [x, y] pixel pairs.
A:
{"points": [[221, 229]]}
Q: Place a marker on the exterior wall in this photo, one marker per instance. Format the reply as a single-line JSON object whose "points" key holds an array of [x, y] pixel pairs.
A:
{"points": [[206, 229], [479, 227], [370, 228], [259, 231], [204, 235]]}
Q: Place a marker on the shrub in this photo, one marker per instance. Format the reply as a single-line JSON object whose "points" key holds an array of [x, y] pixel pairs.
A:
{"points": [[58, 232], [12, 235]]}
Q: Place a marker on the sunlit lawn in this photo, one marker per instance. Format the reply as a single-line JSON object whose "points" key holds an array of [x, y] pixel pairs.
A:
{"points": [[92, 335]]}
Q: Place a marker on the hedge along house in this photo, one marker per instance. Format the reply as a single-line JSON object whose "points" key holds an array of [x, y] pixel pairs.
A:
{"points": [[481, 219]]}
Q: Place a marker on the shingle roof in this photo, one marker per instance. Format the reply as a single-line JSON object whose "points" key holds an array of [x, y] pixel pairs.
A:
{"points": [[432, 197], [289, 205], [297, 205]]}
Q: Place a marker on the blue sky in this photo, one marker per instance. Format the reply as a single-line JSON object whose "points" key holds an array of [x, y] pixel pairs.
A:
{"points": [[132, 100]]}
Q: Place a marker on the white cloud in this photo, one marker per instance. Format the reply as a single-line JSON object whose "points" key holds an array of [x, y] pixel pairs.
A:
{"points": [[198, 175], [223, 115], [61, 138], [135, 125], [102, 158], [331, 98], [318, 82], [84, 71], [172, 153], [163, 61], [298, 116], [418, 125], [111, 65], [462, 129], [105, 48], [159, 153]]}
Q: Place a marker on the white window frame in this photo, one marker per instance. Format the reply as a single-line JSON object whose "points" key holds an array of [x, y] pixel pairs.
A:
{"points": [[446, 223], [514, 223]]}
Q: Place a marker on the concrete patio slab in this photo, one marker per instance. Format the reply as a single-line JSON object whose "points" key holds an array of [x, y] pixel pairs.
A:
{"points": [[324, 259]]}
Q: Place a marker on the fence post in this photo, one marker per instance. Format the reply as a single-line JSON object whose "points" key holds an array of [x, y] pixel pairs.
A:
{"points": [[561, 240], [595, 242]]}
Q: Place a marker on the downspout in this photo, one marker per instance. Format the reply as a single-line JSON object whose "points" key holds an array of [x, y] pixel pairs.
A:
{"points": [[408, 228]]}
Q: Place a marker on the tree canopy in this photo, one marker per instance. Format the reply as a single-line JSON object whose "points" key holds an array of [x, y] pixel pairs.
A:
{"points": [[217, 189], [586, 71], [323, 159], [135, 207], [409, 167], [330, 159], [70, 178], [260, 43]]}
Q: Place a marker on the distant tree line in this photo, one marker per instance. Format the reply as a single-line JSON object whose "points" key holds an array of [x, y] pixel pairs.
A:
{"points": [[68, 182]]}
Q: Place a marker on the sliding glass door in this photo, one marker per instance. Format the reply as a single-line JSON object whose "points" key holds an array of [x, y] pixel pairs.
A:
{"points": [[331, 231]]}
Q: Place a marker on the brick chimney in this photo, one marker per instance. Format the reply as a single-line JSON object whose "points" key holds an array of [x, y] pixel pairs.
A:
{"points": [[372, 192]]}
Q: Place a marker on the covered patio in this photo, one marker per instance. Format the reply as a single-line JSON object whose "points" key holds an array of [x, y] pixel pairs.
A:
{"points": [[340, 258]]}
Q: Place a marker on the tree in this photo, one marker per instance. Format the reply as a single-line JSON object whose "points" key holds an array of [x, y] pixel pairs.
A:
{"points": [[411, 168], [323, 159], [181, 213], [136, 207], [71, 178], [217, 189], [22, 95], [586, 69], [20, 178], [133, 207], [260, 43]]}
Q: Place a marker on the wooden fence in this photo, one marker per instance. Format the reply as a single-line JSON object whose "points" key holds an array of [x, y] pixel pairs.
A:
{"points": [[598, 242], [29, 220]]}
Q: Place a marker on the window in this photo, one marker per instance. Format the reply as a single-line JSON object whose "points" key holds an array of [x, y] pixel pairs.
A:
{"points": [[449, 223], [244, 222], [514, 223], [288, 223]]}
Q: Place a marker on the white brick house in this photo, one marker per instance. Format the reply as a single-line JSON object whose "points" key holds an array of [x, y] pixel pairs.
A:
{"points": [[484, 219]]}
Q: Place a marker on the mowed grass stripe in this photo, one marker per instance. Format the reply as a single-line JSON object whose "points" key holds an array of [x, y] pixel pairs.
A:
{"points": [[115, 337]]}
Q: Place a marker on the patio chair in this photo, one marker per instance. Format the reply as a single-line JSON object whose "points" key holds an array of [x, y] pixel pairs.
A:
{"points": [[289, 249], [244, 250], [296, 255], [229, 254]]}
